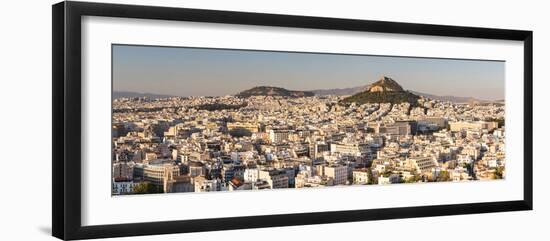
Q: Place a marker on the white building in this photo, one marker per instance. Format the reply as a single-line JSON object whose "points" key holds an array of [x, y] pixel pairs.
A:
{"points": [[158, 173], [423, 164], [338, 173], [477, 125], [122, 187], [204, 185], [360, 176], [383, 180], [251, 175], [275, 178], [346, 149], [278, 136], [123, 170]]}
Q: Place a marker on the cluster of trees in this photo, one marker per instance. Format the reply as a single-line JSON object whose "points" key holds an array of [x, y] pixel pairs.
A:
{"points": [[214, 107], [499, 173], [273, 91], [147, 188], [240, 132], [413, 179], [444, 176], [372, 179], [393, 97]]}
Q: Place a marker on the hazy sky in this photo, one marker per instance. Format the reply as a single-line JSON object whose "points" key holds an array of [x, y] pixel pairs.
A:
{"points": [[196, 71]]}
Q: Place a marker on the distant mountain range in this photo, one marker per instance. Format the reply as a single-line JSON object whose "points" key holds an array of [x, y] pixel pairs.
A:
{"points": [[273, 91], [358, 89], [450, 98], [129, 94], [343, 91], [385, 83]]}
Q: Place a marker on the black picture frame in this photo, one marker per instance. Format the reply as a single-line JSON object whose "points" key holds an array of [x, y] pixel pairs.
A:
{"points": [[66, 127]]}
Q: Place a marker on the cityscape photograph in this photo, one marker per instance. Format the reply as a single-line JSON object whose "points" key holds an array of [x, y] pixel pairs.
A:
{"points": [[212, 120]]}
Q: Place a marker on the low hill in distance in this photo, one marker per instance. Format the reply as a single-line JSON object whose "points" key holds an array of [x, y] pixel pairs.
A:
{"points": [[450, 98], [342, 91], [129, 94], [273, 91]]}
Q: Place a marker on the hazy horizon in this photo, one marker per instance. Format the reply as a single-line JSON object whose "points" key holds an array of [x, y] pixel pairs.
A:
{"points": [[181, 71]]}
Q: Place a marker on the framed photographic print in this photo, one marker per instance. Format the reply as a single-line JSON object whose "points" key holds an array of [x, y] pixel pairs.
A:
{"points": [[171, 120]]}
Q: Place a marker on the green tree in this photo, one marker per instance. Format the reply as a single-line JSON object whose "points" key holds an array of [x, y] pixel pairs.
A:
{"points": [[372, 179], [413, 179], [393, 97], [443, 176], [240, 132], [147, 188], [499, 173]]}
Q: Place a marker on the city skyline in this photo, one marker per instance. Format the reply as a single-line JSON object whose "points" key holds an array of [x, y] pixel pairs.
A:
{"points": [[257, 138], [181, 71]]}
